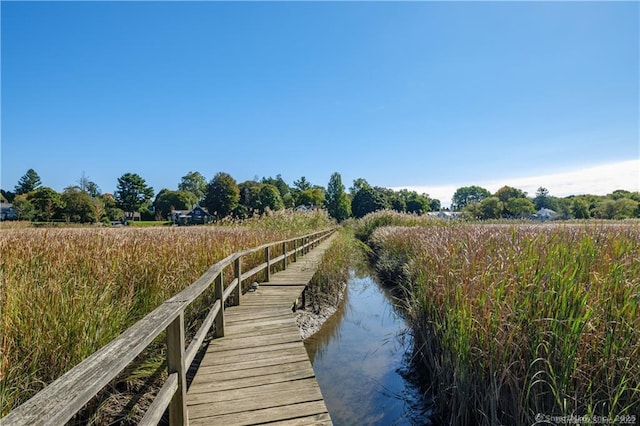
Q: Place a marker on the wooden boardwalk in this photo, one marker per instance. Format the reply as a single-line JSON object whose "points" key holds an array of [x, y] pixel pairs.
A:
{"points": [[259, 372]]}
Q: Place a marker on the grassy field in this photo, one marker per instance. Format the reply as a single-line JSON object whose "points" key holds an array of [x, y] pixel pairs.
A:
{"points": [[67, 292], [518, 321]]}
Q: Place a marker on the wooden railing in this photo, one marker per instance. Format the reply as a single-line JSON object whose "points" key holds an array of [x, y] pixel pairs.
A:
{"points": [[61, 400]]}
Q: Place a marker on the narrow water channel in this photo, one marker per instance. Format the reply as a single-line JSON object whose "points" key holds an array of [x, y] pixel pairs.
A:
{"points": [[361, 358]]}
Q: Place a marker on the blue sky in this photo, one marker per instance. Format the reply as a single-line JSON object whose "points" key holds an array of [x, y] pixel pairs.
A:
{"points": [[421, 94]]}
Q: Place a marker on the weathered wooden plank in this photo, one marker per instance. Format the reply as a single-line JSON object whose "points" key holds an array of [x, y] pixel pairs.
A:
{"points": [[256, 402], [252, 341], [244, 365], [256, 391], [256, 350], [263, 325], [233, 357], [285, 412], [248, 378], [230, 288]]}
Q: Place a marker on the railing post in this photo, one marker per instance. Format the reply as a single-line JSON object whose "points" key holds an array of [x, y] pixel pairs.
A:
{"points": [[175, 364], [218, 293], [267, 259], [284, 255], [295, 250], [237, 292]]}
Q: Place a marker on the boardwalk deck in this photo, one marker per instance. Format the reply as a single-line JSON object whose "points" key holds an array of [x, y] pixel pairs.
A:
{"points": [[260, 372]]}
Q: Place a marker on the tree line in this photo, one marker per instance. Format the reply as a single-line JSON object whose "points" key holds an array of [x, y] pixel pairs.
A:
{"points": [[223, 196], [475, 202]]}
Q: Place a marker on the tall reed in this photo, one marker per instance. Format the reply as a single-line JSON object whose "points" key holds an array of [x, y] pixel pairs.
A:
{"points": [[519, 321]]}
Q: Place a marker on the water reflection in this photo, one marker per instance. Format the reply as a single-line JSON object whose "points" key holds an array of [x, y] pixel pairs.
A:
{"points": [[362, 364]]}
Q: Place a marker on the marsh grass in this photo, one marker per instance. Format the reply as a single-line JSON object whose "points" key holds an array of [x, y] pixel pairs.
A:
{"points": [[64, 293], [516, 320], [329, 281]]}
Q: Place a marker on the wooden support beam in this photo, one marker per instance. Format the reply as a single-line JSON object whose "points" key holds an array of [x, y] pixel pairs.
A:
{"points": [[175, 364], [218, 292]]}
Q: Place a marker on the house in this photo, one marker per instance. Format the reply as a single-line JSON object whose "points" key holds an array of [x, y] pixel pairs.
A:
{"points": [[197, 216], [134, 216], [307, 209], [7, 212], [545, 214]]}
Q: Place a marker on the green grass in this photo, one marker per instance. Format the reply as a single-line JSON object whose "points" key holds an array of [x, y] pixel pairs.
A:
{"points": [[516, 320]]}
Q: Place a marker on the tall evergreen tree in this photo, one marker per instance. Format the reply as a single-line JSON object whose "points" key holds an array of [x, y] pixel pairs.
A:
{"points": [[28, 182], [132, 192], [337, 202]]}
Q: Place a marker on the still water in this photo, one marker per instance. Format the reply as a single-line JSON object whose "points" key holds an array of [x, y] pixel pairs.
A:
{"points": [[361, 358]]}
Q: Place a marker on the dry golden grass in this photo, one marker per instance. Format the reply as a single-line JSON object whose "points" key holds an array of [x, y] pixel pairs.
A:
{"points": [[66, 292], [517, 320]]}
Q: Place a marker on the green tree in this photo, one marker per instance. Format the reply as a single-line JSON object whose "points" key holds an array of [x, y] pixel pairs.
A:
{"points": [[194, 183], [302, 184], [359, 184], [491, 208], [605, 210], [519, 207], [466, 195], [310, 197], [507, 192], [580, 209], [132, 192], [222, 196], [270, 198], [279, 183], [625, 208], [8, 195], [249, 198], [418, 203], [168, 200], [112, 211], [47, 203], [337, 202], [23, 207], [89, 186], [28, 183], [434, 205], [542, 200], [367, 200], [78, 205]]}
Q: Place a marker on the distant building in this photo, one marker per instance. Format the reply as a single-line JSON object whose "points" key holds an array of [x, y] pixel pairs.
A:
{"points": [[545, 214], [197, 216], [7, 212], [134, 216], [307, 209]]}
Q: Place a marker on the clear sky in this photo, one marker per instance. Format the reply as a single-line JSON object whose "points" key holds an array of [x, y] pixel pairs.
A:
{"points": [[422, 94]]}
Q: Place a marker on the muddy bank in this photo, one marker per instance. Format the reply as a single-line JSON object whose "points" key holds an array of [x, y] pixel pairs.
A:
{"points": [[313, 315]]}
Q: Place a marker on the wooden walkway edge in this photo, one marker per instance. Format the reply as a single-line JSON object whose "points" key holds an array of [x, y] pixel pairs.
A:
{"points": [[259, 372]]}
